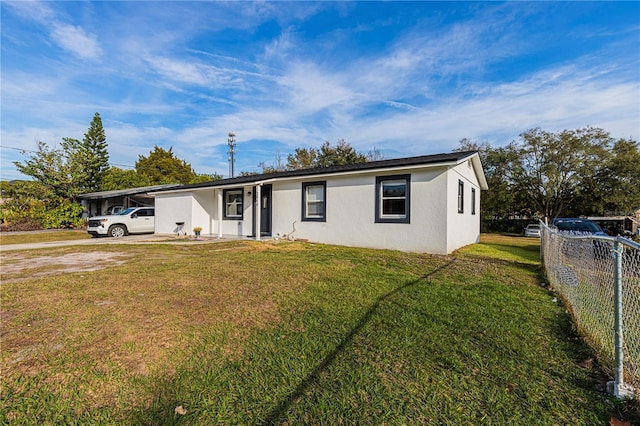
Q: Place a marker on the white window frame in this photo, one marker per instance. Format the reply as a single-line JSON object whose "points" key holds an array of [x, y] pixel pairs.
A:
{"points": [[322, 217], [381, 216]]}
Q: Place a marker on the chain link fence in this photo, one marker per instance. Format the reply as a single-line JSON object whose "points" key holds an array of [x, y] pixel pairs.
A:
{"points": [[599, 281]]}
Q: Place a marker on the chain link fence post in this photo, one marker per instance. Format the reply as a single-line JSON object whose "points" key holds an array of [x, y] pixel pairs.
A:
{"points": [[598, 278], [618, 387]]}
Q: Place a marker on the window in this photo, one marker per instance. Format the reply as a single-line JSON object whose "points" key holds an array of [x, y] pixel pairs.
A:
{"points": [[144, 212], [460, 196], [314, 207], [393, 199], [473, 201], [233, 205]]}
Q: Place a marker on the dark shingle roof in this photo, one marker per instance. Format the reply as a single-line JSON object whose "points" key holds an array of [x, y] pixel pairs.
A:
{"points": [[382, 164]]}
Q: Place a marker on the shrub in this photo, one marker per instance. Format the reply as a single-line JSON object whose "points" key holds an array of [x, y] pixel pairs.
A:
{"points": [[65, 215], [35, 214]]}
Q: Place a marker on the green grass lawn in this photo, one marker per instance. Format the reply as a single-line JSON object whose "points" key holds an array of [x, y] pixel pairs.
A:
{"points": [[293, 333], [41, 237]]}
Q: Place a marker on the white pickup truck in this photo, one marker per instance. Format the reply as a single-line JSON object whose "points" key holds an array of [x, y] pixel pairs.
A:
{"points": [[134, 220]]}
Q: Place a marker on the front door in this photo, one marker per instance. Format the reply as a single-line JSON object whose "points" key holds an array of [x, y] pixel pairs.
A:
{"points": [[265, 211]]}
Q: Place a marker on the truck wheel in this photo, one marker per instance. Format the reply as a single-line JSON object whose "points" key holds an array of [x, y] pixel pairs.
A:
{"points": [[117, 231]]}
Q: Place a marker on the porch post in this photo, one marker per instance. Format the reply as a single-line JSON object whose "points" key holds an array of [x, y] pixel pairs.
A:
{"points": [[257, 209], [220, 201]]}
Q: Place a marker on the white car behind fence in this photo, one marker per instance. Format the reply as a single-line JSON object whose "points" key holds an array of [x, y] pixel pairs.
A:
{"points": [[532, 230]]}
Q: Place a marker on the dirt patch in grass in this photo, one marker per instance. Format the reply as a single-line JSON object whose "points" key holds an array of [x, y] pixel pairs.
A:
{"points": [[93, 321], [288, 333], [40, 266]]}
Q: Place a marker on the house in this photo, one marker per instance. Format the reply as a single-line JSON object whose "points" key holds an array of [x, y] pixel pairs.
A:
{"points": [[103, 202], [423, 204], [619, 225]]}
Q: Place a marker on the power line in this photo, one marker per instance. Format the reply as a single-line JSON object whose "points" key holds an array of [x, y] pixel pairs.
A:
{"points": [[35, 152], [17, 149]]}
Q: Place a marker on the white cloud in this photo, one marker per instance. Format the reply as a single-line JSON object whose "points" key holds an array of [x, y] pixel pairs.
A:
{"points": [[19, 86], [421, 93], [72, 38], [182, 71], [37, 11], [311, 89], [76, 40], [504, 111]]}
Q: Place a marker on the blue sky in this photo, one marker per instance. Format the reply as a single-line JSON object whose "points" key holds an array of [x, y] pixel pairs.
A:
{"points": [[408, 78]]}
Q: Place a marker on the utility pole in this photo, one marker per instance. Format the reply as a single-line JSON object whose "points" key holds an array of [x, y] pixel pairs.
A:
{"points": [[232, 145]]}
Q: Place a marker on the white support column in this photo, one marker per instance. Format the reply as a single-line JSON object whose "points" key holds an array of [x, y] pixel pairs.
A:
{"points": [[220, 207], [257, 209]]}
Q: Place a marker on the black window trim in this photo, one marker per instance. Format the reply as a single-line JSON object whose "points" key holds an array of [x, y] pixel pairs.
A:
{"points": [[378, 202], [224, 206], [460, 196], [305, 185]]}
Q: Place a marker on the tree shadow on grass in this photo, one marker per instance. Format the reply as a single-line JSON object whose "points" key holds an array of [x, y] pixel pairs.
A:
{"points": [[283, 406], [162, 410], [561, 327]]}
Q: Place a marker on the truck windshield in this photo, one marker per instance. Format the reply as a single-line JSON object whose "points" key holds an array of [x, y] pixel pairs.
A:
{"points": [[578, 226], [126, 211]]}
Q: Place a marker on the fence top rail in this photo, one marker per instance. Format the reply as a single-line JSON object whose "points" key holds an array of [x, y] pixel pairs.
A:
{"points": [[578, 236]]}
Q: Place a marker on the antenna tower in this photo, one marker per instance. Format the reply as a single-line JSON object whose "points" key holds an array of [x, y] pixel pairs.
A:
{"points": [[232, 145]]}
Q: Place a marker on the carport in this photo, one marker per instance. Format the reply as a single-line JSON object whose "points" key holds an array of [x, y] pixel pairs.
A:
{"points": [[97, 203]]}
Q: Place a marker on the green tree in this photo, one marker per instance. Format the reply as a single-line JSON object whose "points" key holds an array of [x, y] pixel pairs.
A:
{"points": [[551, 168], [302, 158], [621, 179], [33, 205], [94, 155], [162, 166], [60, 175], [53, 170], [76, 167], [343, 153], [117, 178], [340, 155], [500, 200]]}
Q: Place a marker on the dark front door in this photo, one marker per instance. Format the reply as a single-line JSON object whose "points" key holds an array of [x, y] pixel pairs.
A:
{"points": [[264, 205]]}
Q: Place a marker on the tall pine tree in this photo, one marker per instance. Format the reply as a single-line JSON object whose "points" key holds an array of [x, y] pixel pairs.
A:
{"points": [[94, 155]]}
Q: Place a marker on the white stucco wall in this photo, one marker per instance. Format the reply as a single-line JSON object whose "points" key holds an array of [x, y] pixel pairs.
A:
{"points": [[204, 212], [462, 228], [350, 213], [237, 227], [200, 208], [435, 224], [172, 208]]}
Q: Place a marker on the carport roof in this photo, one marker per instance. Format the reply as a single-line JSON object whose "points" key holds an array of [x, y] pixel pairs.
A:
{"points": [[131, 191]]}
